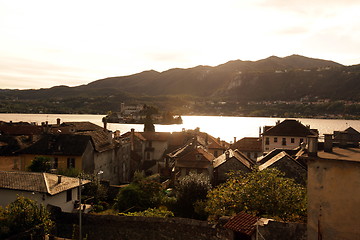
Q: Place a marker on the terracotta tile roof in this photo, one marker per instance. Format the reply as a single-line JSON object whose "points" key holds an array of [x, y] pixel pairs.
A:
{"points": [[191, 160], [243, 223], [37, 182], [156, 136], [209, 141], [289, 127], [136, 134], [191, 155], [280, 156], [179, 138], [248, 144], [100, 139], [63, 144], [82, 126], [276, 151], [233, 154], [20, 128]]}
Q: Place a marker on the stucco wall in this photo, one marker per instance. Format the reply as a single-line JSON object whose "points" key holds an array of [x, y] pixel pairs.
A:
{"points": [[333, 199], [62, 160], [104, 162], [9, 196], [10, 163], [160, 148], [272, 145]]}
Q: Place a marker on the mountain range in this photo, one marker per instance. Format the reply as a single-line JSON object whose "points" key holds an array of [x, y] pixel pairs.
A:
{"points": [[269, 79]]}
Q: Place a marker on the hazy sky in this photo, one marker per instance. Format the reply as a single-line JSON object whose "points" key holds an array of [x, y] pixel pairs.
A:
{"points": [[46, 43]]}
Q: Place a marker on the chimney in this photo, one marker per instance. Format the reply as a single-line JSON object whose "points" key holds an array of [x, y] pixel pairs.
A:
{"points": [[105, 123], [234, 139], [342, 139], [312, 146], [132, 136], [259, 132], [59, 179], [58, 121], [227, 154], [328, 142], [117, 134]]}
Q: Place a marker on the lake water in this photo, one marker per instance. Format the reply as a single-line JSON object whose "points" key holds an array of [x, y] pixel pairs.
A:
{"points": [[224, 127]]}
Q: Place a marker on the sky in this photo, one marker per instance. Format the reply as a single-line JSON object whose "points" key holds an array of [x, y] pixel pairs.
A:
{"points": [[45, 43]]}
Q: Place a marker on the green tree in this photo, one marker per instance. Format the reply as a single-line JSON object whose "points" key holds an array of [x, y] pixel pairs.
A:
{"points": [[141, 194], [22, 215], [40, 164], [190, 191], [264, 193]]}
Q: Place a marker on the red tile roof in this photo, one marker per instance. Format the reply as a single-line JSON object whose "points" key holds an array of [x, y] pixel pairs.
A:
{"points": [[243, 223], [248, 144], [156, 136], [37, 182], [289, 127], [233, 154]]}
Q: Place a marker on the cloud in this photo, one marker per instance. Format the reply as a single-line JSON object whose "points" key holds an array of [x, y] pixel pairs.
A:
{"points": [[27, 73], [293, 30]]}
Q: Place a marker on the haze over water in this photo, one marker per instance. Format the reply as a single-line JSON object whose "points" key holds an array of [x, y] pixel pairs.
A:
{"points": [[224, 127]]}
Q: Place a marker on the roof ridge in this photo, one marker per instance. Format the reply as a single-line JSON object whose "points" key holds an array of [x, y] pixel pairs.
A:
{"points": [[46, 183]]}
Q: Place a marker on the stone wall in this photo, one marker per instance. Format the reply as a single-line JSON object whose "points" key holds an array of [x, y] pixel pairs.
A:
{"points": [[283, 231], [127, 228]]}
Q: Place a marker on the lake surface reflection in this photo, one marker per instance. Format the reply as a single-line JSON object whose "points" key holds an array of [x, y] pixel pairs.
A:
{"points": [[224, 127]]}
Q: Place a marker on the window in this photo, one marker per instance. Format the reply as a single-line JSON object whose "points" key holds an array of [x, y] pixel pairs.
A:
{"points": [[275, 139], [71, 163], [69, 195], [292, 140], [283, 142], [267, 141], [248, 155], [148, 156], [301, 140], [216, 153]]}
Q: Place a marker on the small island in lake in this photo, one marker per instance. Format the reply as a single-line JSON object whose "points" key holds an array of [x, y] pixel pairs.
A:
{"points": [[138, 114]]}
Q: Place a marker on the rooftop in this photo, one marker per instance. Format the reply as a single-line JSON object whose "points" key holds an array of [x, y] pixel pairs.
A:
{"points": [[233, 154], [37, 182], [289, 127], [243, 222], [248, 144], [343, 154]]}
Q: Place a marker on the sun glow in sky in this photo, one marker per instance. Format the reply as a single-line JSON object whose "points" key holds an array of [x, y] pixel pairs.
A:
{"points": [[45, 43]]}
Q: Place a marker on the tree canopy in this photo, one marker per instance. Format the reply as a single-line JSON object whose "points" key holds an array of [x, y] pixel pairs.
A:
{"points": [[40, 164], [22, 215], [264, 193], [190, 191]]}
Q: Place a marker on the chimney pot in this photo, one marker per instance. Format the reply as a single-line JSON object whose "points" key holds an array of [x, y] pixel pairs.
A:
{"points": [[312, 146], [328, 142], [59, 179], [227, 154]]}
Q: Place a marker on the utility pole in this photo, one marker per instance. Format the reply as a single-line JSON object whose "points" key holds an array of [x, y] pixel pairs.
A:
{"points": [[80, 209]]}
